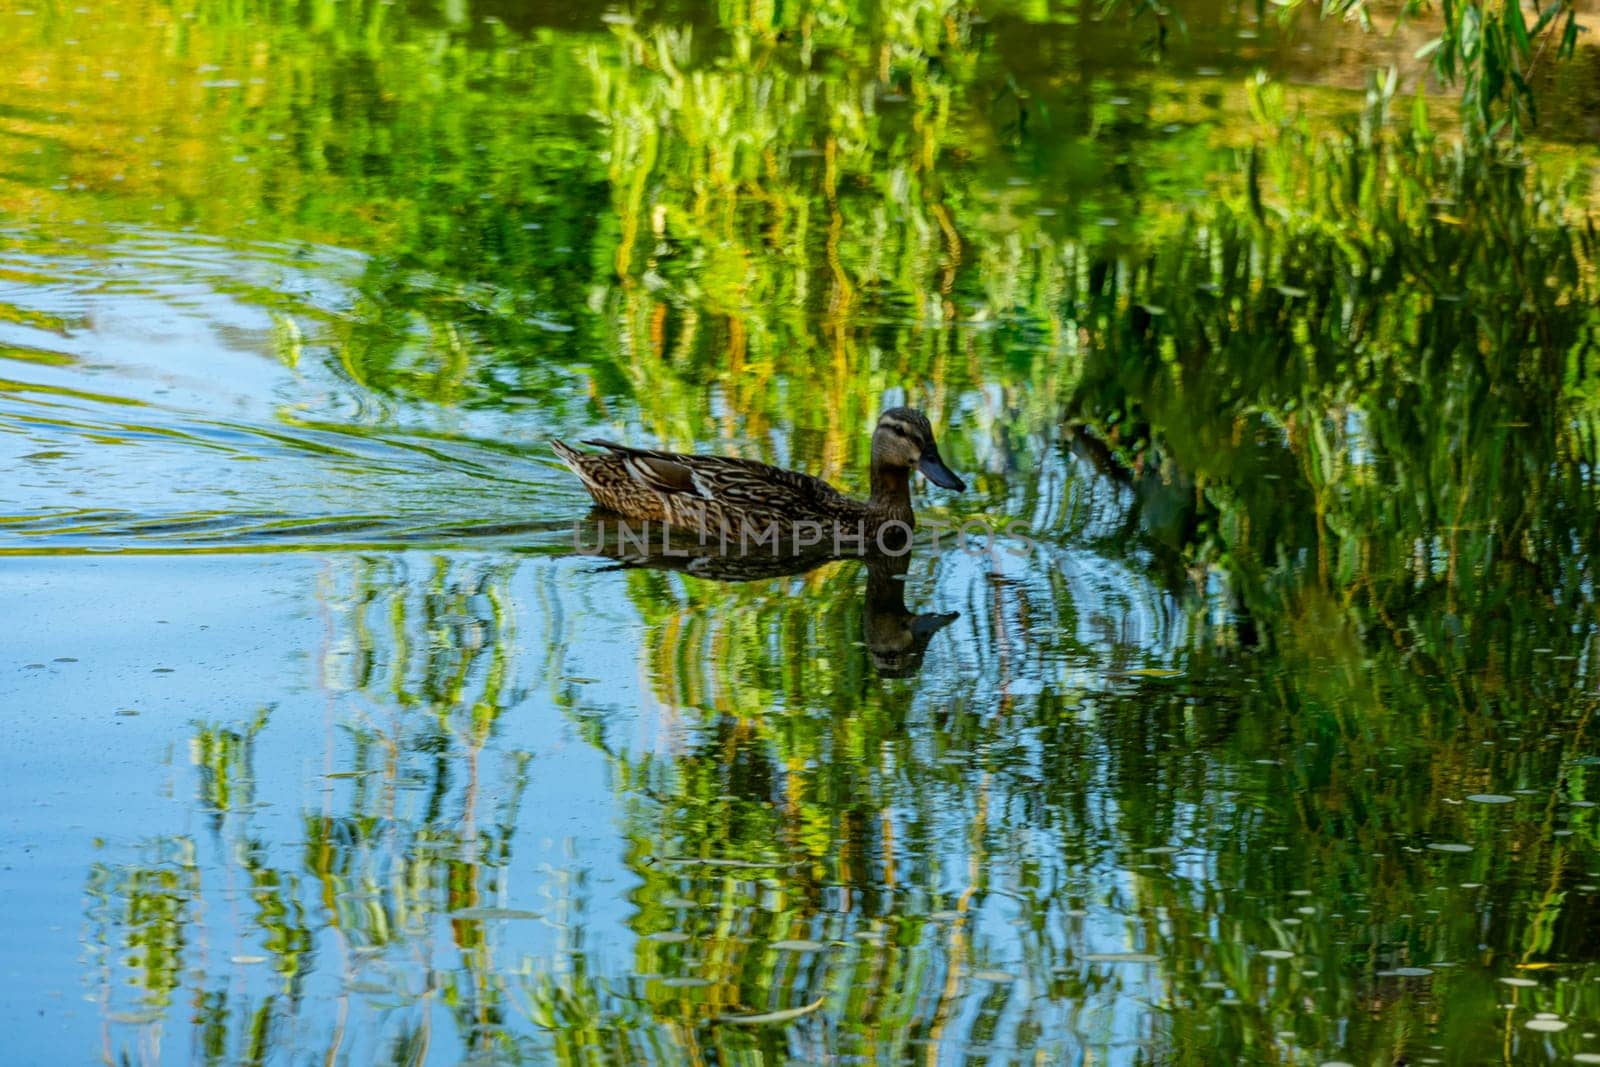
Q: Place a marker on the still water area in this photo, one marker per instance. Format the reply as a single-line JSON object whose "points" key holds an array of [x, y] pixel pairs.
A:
{"points": [[1258, 727]]}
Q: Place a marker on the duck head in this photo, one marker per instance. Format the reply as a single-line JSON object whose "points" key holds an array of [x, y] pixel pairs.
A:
{"points": [[904, 439]]}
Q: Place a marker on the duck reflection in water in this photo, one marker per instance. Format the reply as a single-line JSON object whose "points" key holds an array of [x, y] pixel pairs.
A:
{"points": [[896, 637]]}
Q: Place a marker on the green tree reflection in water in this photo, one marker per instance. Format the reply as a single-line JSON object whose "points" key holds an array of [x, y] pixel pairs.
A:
{"points": [[1308, 453], [403, 840]]}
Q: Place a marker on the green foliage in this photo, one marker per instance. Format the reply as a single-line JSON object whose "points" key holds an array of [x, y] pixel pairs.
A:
{"points": [[1302, 412], [1492, 51]]}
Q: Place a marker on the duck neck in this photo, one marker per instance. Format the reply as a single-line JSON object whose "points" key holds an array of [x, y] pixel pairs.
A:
{"points": [[891, 495]]}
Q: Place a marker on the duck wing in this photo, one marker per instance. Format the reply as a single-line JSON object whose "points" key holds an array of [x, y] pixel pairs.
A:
{"points": [[738, 484], [664, 472]]}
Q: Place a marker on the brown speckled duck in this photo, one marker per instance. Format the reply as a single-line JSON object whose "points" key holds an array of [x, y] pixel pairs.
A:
{"points": [[713, 493]]}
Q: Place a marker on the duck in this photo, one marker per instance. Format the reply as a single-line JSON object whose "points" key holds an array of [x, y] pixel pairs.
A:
{"points": [[728, 495]]}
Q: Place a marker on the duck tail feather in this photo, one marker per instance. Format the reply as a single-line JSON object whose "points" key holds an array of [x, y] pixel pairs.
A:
{"points": [[610, 446]]}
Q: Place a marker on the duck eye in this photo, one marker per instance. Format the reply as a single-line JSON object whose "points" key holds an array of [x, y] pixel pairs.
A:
{"points": [[896, 428]]}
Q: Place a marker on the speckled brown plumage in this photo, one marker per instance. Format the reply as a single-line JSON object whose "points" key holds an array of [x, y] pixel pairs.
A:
{"points": [[722, 494]]}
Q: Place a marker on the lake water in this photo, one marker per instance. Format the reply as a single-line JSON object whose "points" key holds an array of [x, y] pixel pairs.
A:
{"points": [[1263, 735]]}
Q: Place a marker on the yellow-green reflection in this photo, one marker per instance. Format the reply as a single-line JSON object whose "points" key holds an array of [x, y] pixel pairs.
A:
{"points": [[1297, 400]]}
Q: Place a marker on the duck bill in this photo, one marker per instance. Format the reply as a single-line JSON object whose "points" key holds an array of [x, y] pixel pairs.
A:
{"points": [[937, 473]]}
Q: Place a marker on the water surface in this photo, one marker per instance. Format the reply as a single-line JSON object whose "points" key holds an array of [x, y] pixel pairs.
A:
{"points": [[1269, 742]]}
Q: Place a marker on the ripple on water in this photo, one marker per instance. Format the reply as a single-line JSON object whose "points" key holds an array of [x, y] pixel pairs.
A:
{"points": [[178, 390]]}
